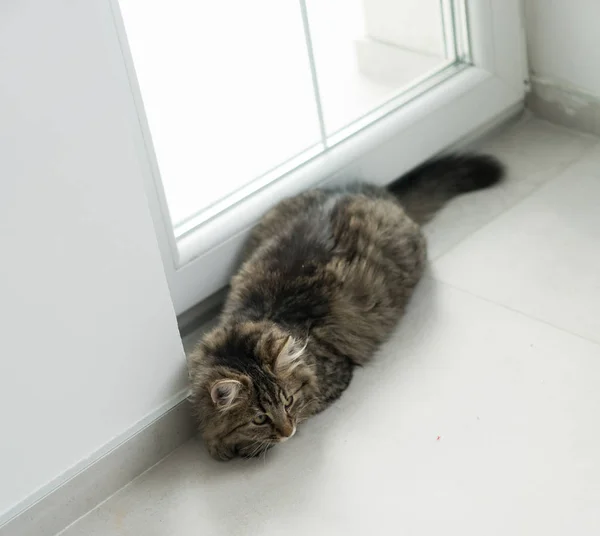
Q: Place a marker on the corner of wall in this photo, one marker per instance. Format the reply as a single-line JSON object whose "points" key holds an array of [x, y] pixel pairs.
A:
{"points": [[563, 104]]}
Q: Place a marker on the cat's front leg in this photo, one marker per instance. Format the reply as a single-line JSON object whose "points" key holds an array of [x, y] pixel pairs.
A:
{"points": [[221, 452]]}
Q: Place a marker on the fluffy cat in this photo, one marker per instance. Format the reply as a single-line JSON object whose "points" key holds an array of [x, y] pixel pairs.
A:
{"points": [[325, 279]]}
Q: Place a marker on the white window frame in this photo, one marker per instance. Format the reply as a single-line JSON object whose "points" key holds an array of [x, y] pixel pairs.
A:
{"points": [[202, 261]]}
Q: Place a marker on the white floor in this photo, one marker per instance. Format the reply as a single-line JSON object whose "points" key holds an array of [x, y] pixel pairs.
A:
{"points": [[481, 416]]}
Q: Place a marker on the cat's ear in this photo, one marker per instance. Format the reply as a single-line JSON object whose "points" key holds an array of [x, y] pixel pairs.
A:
{"points": [[289, 355], [224, 392]]}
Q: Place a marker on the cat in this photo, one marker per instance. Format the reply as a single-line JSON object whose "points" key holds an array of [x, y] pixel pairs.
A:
{"points": [[326, 276]]}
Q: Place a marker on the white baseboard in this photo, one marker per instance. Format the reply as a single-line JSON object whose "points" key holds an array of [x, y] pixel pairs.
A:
{"points": [[92, 481], [565, 105]]}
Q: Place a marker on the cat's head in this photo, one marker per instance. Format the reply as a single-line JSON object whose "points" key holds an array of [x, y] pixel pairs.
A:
{"points": [[251, 385]]}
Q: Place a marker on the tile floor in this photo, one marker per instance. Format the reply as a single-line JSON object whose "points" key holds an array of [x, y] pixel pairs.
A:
{"points": [[481, 416]]}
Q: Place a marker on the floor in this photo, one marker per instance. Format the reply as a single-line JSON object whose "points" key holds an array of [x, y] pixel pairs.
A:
{"points": [[479, 417]]}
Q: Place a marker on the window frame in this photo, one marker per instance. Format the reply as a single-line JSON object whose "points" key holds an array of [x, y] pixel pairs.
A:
{"points": [[461, 102]]}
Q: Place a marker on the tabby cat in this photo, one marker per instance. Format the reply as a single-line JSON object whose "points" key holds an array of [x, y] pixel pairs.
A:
{"points": [[325, 279]]}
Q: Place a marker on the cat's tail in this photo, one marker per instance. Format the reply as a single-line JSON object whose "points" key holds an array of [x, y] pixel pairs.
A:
{"points": [[427, 188]]}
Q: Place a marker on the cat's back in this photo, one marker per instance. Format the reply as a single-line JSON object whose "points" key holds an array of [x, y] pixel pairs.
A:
{"points": [[324, 218], [326, 248], [360, 221]]}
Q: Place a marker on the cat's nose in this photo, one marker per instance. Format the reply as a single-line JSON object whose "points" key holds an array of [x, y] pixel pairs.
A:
{"points": [[286, 430]]}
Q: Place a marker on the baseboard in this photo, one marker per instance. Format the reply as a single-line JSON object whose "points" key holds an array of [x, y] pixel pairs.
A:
{"points": [[564, 105], [73, 495]]}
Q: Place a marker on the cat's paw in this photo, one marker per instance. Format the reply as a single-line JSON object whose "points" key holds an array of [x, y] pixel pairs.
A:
{"points": [[221, 453]]}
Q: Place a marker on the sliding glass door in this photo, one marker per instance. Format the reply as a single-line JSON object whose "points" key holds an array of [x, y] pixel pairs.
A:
{"points": [[238, 104]]}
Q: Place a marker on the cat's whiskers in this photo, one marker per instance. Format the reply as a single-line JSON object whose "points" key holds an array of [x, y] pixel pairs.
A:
{"points": [[258, 446], [264, 454]]}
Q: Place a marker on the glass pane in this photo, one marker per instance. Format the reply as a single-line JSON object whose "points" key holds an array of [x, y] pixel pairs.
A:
{"points": [[227, 91], [368, 51]]}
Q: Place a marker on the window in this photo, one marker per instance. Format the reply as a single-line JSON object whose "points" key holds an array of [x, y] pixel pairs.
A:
{"points": [[238, 104]]}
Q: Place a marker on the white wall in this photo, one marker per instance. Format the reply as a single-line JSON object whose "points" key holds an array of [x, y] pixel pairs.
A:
{"points": [[564, 42], [89, 342]]}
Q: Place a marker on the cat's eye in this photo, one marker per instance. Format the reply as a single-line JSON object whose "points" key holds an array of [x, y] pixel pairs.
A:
{"points": [[287, 402], [260, 419]]}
